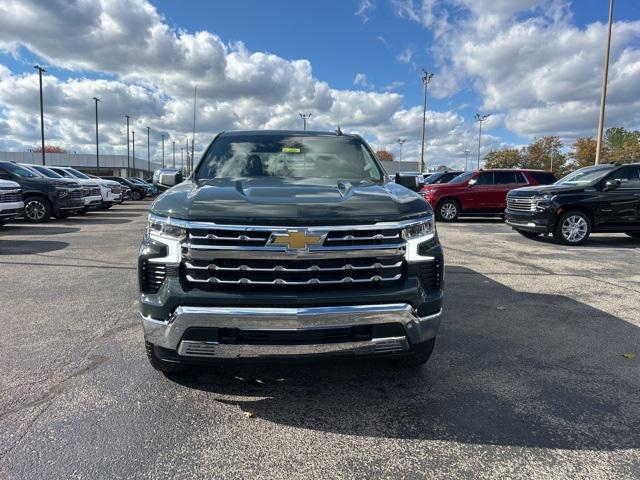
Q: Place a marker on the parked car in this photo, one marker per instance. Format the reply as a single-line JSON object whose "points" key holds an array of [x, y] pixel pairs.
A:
{"points": [[110, 193], [440, 177], [11, 204], [91, 190], [43, 197], [601, 198], [138, 192], [125, 192], [298, 247], [152, 188], [481, 192]]}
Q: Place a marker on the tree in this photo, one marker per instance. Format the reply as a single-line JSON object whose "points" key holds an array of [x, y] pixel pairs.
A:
{"points": [[50, 149], [384, 155], [505, 158], [583, 152], [546, 154], [623, 145]]}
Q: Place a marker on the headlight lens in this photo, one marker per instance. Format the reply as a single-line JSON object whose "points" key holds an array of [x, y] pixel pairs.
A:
{"points": [[62, 192], [419, 229], [163, 228]]}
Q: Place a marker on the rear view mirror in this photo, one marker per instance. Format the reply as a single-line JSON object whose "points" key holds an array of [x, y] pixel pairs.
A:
{"points": [[611, 185], [167, 178], [412, 181]]}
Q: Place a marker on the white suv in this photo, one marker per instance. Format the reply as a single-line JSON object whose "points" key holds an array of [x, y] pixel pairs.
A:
{"points": [[11, 204]]}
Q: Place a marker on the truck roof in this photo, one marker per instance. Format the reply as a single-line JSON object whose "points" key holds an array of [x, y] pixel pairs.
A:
{"points": [[299, 133]]}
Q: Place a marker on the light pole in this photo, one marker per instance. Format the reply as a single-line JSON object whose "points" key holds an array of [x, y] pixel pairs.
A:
{"points": [[128, 161], [480, 118], [97, 145], [162, 150], [603, 95], [133, 144], [181, 159], [174, 154], [40, 70], [148, 153], [187, 150], [466, 158], [193, 138], [304, 117], [401, 142], [426, 79]]}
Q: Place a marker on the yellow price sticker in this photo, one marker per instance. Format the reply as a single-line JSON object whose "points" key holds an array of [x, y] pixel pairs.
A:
{"points": [[290, 150]]}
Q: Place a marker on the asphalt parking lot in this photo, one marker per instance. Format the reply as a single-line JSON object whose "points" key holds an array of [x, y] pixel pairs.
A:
{"points": [[528, 379]]}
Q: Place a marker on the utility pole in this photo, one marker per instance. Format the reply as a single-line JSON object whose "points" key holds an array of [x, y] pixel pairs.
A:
{"points": [[304, 117], [401, 142], [97, 146], [181, 159], [133, 144], [188, 162], [466, 158], [193, 137], [603, 96], [40, 70], [148, 153], [162, 150], [128, 161], [426, 79], [174, 154], [480, 118]]}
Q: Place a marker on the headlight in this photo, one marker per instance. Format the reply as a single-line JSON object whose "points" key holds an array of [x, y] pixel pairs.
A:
{"points": [[62, 192], [423, 228], [162, 228]]}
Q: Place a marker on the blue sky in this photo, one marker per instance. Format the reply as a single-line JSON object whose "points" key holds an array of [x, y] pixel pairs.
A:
{"points": [[469, 44]]}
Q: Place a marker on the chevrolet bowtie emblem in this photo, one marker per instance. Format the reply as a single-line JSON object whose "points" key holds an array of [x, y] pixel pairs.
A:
{"points": [[296, 239]]}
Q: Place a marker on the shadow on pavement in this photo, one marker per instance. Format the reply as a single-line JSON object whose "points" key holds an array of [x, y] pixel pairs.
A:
{"points": [[95, 220], [477, 220], [25, 247], [596, 241], [29, 229], [509, 368]]}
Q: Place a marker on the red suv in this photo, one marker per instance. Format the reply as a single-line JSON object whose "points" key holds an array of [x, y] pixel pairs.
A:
{"points": [[481, 192]]}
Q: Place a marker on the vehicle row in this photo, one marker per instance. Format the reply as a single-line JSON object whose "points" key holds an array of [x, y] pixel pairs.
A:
{"points": [[601, 198], [37, 192]]}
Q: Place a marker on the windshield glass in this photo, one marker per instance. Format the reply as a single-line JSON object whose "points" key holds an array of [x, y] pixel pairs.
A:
{"points": [[18, 170], [433, 177], [45, 171], [463, 177], [585, 176], [78, 174], [290, 156]]}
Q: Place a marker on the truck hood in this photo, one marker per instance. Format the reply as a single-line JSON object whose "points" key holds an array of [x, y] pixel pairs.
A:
{"points": [[546, 189], [271, 201]]}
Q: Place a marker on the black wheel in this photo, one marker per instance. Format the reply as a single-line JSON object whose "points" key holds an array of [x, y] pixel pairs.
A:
{"points": [[527, 234], [448, 211], [37, 209], [159, 364], [419, 357], [106, 206], [572, 228], [135, 195], [633, 234]]}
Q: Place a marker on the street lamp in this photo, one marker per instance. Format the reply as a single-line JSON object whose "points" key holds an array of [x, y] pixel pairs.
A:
{"points": [[133, 144], [97, 145], [304, 117], [128, 162], [40, 70], [401, 142], [603, 95], [162, 150], [148, 153], [426, 80], [174, 154], [480, 118]]}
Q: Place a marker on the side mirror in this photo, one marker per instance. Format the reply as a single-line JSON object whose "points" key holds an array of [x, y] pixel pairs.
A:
{"points": [[611, 185], [412, 181], [472, 182], [167, 178]]}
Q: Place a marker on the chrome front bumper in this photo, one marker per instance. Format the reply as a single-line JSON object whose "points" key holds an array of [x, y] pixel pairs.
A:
{"points": [[168, 333]]}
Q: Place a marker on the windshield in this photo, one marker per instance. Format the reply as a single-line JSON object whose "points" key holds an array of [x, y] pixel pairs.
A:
{"points": [[585, 176], [463, 177], [45, 171], [19, 171], [433, 177], [78, 174], [291, 157]]}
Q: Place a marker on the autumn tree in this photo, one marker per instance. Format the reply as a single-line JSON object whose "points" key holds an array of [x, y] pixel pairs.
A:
{"points": [[50, 149], [583, 152], [384, 155], [623, 145], [546, 154], [505, 158]]}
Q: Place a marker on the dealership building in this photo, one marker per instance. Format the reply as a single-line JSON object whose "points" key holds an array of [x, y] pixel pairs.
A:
{"points": [[112, 165]]}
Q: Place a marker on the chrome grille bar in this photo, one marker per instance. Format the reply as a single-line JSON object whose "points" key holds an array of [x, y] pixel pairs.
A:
{"points": [[280, 268], [311, 281]]}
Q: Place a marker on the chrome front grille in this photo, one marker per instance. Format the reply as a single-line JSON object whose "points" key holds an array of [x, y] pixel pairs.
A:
{"points": [[10, 196], [224, 237], [86, 192], [521, 204], [294, 272], [95, 191], [115, 188], [76, 193]]}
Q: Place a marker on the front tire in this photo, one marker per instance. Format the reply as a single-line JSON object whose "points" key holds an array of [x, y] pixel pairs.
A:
{"points": [[572, 228], [530, 235], [136, 196], [448, 211], [161, 365], [419, 357], [37, 210]]}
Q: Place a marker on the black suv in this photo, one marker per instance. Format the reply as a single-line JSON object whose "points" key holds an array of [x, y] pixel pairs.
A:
{"points": [[286, 245], [138, 192], [602, 198], [43, 197]]}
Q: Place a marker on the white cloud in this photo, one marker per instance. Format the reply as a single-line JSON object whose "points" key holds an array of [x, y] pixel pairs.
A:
{"points": [[365, 7]]}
